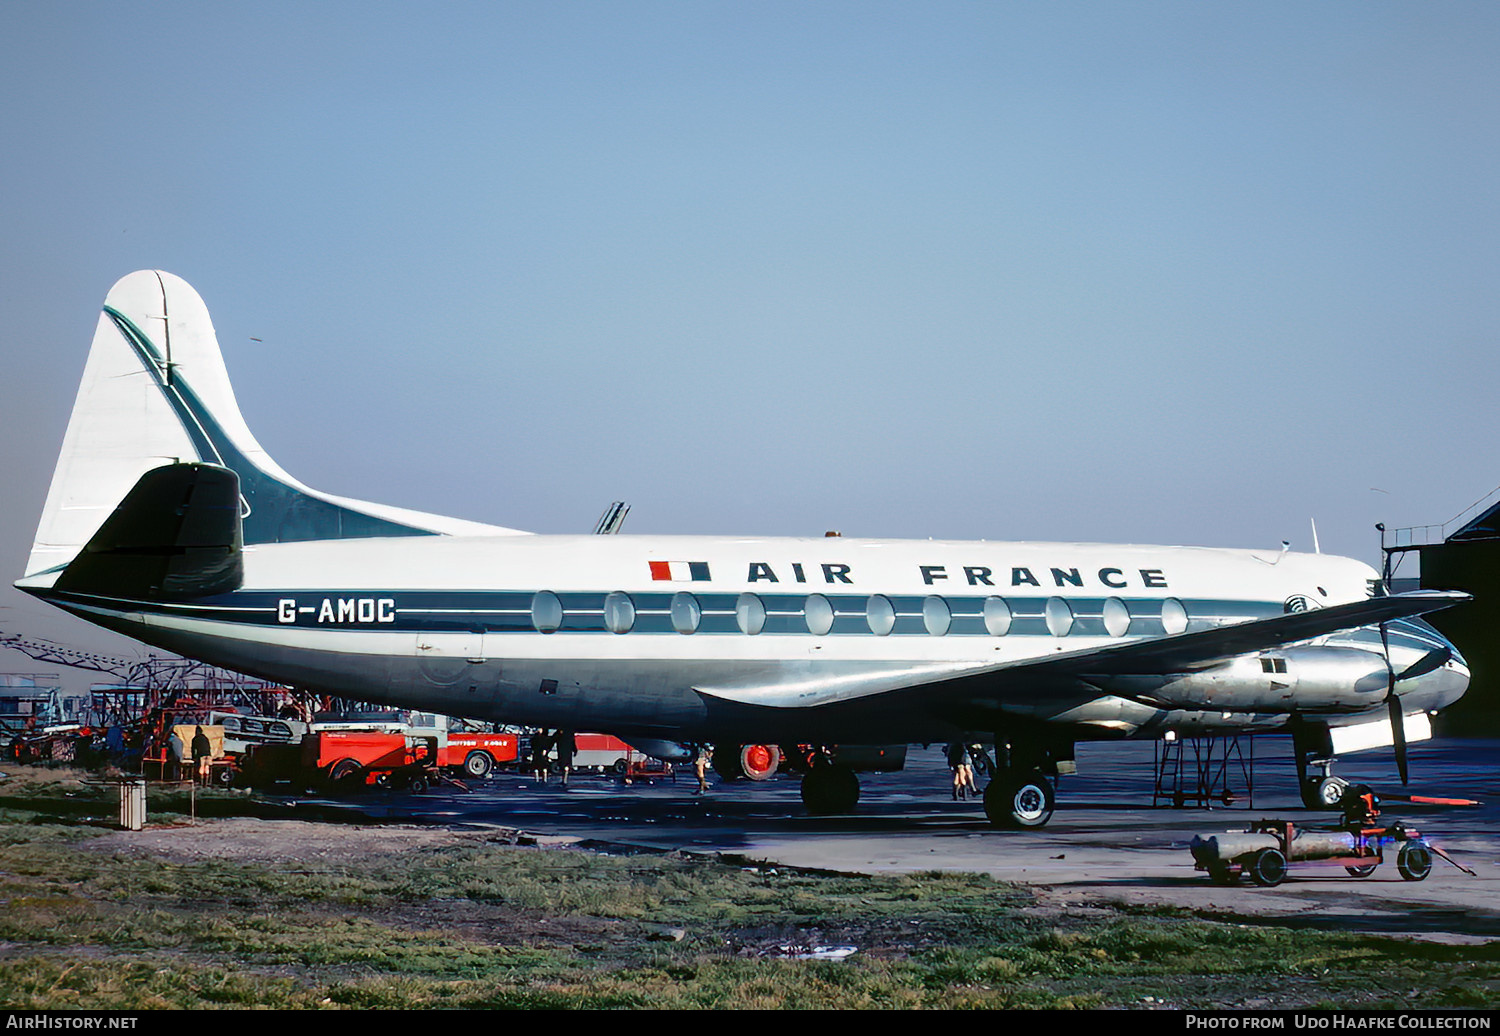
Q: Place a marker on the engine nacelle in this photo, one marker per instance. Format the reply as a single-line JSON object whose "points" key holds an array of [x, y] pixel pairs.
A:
{"points": [[1309, 679]]}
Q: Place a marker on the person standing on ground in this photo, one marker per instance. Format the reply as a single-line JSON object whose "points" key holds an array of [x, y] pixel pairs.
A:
{"points": [[700, 767], [541, 749], [177, 755], [963, 772], [203, 755], [567, 748]]}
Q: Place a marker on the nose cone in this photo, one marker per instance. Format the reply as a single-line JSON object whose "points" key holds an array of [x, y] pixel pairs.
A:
{"points": [[1437, 688]]}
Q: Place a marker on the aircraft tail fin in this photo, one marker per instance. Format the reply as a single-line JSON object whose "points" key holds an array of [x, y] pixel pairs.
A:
{"points": [[155, 392]]}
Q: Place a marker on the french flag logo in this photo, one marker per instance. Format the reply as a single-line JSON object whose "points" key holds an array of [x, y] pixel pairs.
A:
{"points": [[679, 571]]}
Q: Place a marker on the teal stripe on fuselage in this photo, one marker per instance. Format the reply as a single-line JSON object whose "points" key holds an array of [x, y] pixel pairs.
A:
{"points": [[509, 611]]}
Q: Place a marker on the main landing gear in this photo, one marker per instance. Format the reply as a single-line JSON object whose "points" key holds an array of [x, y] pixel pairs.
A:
{"points": [[1022, 792], [1019, 799], [828, 787]]}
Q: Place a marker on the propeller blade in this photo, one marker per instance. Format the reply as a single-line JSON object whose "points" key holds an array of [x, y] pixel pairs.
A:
{"points": [[1434, 659], [1393, 705], [1398, 732]]}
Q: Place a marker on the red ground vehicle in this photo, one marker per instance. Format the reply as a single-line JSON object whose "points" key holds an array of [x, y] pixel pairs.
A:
{"points": [[475, 753], [355, 758]]}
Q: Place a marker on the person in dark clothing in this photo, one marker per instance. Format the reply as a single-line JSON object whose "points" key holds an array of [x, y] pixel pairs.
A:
{"points": [[567, 748], [203, 755], [541, 748]]}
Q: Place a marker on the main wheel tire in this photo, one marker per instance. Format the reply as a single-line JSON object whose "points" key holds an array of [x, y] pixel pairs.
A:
{"points": [[1362, 870], [759, 762], [1414, 861], [1267, 868], [1022, 801], [417, 784], [827, 790], [726, 762], [478, 765], [345, 773]]}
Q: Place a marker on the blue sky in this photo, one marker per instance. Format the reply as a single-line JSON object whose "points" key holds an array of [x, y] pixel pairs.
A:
{"points": [[1148, 272]]}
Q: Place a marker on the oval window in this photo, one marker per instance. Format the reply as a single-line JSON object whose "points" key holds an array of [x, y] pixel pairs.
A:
{"points": [[546, 612], [1174, 616], [750, 613], [1116, 617], [936, 616], [996, 616], [1059, 617], [880, 613], [619, 612], [819, 614], [686, 613]]}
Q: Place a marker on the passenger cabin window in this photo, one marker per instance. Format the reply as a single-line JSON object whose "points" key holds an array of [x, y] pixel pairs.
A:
{"points": [[881, 615], [1174, 617], [1116, 617], [936, 616], [750, 614], [819, 614], [997, 616], [686, 613], [1059, 617], [619, 612], [546, 612]]}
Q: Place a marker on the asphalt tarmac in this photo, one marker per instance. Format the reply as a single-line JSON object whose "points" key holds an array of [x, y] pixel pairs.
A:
{"points": [[1106, 844]]}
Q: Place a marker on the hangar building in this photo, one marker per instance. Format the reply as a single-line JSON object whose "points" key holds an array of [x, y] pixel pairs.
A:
{"points": [[1463, 554]]}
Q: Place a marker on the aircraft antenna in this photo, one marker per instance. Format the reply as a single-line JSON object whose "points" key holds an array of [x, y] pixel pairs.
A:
{"points": [[1316, 549], [612, 518]]}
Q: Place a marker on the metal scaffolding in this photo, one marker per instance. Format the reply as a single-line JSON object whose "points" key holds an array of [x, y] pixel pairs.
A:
{"points": [[1202, 772]]}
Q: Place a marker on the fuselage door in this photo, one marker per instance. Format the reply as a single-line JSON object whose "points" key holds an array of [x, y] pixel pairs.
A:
{"points": [[446, 656]]}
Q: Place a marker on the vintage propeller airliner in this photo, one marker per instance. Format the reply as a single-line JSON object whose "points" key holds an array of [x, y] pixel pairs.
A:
{"points": [[168, 522]]}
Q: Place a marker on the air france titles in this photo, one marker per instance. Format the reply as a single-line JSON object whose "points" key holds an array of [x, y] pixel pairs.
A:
{"points": [[340, 611], [974, 575], [978, 575]]}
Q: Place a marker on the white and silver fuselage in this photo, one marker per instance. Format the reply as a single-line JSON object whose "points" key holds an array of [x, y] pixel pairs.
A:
{"points": [[688, 636]]}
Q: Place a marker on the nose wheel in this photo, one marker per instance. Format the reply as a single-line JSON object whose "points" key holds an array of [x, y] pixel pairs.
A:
{"points": [[1326, 793]]}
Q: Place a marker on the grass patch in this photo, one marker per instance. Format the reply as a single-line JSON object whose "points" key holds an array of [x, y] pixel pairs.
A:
{"points": [[470, 924]]}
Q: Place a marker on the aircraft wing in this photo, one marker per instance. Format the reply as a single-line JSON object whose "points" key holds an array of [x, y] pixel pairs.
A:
{"points": [[1202, 648], [1178, 653]]}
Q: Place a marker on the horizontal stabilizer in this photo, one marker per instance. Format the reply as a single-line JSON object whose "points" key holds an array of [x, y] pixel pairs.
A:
{"points": [[175, 536]]}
